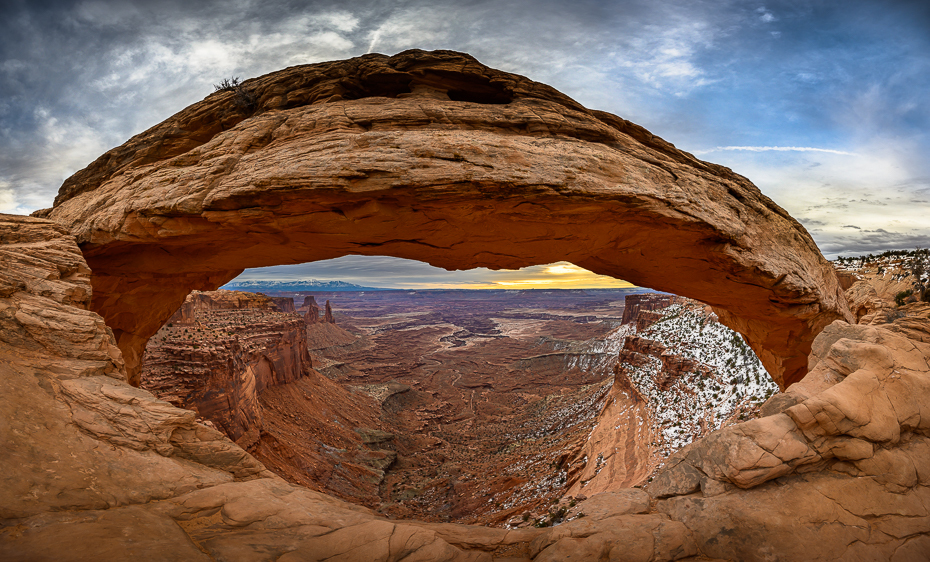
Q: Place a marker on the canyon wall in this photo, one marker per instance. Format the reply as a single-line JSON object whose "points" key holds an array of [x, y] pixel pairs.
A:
{"points": [[284, 304], [435, 157], [680, 375], [219, 351], [245, 367]]}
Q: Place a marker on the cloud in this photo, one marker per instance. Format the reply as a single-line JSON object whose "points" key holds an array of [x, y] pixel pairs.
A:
{"points": [[398, 273], [874, 241], [665, 56], [765, 16], [776, 149], [7, 198]]}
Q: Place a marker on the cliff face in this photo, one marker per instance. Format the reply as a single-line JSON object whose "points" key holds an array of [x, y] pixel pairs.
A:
{"points": [[284, 304], [199, 301], [633, 305], [679, 378], [245, 367], [76, 437], [219, 352]]}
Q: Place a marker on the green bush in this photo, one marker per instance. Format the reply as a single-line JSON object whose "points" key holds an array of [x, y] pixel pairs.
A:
{"points": [[899, 298]]}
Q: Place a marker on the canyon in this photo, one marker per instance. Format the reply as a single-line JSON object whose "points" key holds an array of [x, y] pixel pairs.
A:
{"points": [[432, 391], [433, 156]]}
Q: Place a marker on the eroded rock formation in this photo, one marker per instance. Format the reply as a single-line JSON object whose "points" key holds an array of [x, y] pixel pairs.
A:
{"points": [[635, 305], [432, 156], [284, 304], [97, 468], [75, 436], [311, 310], [328, 315], [239, 363], [435, 157], [219, 351]]}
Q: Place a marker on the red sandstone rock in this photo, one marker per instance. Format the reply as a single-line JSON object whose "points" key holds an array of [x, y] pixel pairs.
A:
{"points": [[434, 157], [134, 477], [328, 317], [219, 351], [312, 314], [75, 435], [284, 304], [633, 305]]}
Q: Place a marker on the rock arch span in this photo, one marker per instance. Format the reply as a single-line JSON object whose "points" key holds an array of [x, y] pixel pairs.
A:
{"points": [[435, 157]]}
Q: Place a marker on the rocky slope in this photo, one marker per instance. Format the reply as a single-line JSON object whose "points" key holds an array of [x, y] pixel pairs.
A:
{"points": [[876, 285], [435, 157]]}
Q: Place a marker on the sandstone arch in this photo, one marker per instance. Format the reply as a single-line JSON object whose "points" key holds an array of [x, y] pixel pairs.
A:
{"points": [[435, 157]]}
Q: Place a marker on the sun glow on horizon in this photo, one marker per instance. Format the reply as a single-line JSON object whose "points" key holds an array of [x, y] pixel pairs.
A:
{"points": [[397, 273]]}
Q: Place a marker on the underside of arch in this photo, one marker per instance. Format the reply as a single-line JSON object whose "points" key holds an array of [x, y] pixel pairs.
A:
{"points": [[434, 157]]}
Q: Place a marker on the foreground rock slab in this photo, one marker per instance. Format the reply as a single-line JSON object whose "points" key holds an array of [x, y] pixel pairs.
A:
{"points": [[435, 157]]}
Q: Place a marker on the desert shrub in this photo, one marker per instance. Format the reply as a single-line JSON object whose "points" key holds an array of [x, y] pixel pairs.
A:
{"points": [[900, 297], [243, 98]]}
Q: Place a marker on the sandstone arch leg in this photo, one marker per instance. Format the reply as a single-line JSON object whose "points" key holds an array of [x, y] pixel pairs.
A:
{"points": [[435, 157]]}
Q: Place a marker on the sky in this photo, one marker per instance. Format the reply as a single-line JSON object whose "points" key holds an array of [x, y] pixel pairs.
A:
{"points": [[821, 104]]}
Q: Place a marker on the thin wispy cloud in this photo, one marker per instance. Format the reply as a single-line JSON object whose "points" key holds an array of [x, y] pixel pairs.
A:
{"points": [[776, 149]]}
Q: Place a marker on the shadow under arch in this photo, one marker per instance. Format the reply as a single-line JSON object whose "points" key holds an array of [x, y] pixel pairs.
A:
{"points": [[314, 171]]}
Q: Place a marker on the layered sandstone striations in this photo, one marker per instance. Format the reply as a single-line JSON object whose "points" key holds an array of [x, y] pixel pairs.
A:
{"points": [[435, 157], [284, 304], [219, 351], [635, 305]]}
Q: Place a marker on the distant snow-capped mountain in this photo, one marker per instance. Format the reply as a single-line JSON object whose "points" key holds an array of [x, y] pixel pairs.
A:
{"points": [[266, 285]]}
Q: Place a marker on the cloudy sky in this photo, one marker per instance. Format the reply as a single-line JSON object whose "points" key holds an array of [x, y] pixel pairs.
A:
{"points": [[824, 105]]}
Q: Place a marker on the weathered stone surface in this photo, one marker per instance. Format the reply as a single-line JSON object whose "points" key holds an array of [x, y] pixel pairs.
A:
{"points": [[867, 390], [819, 516], [91, 463], [75, 435], [863, 299], [848, 459], [434, 157]]}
